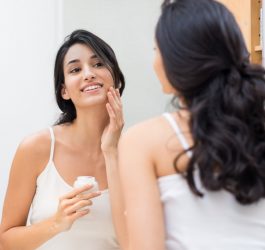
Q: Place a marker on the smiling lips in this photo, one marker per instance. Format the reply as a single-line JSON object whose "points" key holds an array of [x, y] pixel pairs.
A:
{"points": [[91, 87]]}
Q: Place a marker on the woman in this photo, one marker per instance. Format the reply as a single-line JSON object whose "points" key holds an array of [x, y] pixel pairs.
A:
{"points": [[196, 178], [88, 85]]}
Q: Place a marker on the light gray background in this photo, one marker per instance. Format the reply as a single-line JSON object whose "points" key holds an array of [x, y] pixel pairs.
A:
{"points": [[28, 41], [31, 31]]}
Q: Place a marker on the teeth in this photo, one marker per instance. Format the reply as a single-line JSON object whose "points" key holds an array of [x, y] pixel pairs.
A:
{"points": [[92, 87]]}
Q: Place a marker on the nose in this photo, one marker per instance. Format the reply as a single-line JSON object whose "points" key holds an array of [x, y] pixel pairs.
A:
{"points": [[89, 74]]}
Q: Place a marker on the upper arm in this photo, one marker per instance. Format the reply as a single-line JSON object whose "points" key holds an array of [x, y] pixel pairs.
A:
{"points": [[24, 171], [144, 215]]}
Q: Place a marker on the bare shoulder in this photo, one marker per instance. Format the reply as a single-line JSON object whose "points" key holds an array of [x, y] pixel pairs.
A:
{"points": [[35, 149], [145, 135], [30, 159], [156, 142], [41, 138], [37, 143], [145, 128], [150, 130]]}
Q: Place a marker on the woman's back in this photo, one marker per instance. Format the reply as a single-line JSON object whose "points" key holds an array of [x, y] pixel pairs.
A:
{"points": [[215, 221], [202, 60]]}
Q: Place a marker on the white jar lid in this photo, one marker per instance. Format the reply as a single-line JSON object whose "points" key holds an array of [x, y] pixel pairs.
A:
{"points": [[86, 178]]}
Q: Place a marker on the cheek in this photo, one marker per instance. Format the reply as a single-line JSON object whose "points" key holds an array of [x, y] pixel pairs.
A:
{"points": [[161, 74], [70, 80], [156, 66], [159, 69], [107, 78], [71, 85]]}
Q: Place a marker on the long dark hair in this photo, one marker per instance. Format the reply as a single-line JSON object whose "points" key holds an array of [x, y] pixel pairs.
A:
{"points": [[102, 50], [207, 62]]}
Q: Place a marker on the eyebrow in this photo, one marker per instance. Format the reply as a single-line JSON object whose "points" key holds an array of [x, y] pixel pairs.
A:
{"points": [[77, 60]]}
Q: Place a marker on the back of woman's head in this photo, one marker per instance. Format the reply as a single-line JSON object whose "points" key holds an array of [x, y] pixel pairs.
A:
{"points": [[102, 50], [207, 62]]}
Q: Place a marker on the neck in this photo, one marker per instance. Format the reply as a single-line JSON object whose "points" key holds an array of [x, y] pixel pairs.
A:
{"points": [[88, 127]]}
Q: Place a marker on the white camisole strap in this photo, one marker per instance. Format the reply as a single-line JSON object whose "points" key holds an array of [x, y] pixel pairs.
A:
{"points": [[178, 132], [52, 144]]}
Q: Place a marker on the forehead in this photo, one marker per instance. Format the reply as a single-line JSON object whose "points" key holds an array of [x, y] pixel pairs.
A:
{"points": [[78, 52]]}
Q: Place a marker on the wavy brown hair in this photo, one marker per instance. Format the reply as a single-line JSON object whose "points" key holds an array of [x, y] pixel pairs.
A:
{"points": [[207, 62]]}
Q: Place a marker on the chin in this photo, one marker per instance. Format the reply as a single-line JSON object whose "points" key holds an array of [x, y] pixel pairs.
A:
{"points": [[93, 101], [168, 91]]}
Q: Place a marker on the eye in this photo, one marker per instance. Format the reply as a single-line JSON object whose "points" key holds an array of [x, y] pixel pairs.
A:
{"points": [[98, 65], [75, 70]]}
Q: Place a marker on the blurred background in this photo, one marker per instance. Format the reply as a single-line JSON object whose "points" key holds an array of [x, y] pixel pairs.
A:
{"points": [[31, 31]]}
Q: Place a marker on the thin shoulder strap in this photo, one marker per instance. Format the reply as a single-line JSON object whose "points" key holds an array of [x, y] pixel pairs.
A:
{"points": [[52, 143], [178, 132]]}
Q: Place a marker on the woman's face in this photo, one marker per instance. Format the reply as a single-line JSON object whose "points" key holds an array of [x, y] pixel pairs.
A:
{"points": [[160, 72], [87, 79]]}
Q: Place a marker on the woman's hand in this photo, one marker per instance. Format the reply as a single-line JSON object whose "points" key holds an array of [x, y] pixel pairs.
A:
{"points": [[112, 132], [73, 206]]}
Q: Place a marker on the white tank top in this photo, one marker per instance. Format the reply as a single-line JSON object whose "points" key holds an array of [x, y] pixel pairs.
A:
{"points": [[94, 231], [215, 222]]}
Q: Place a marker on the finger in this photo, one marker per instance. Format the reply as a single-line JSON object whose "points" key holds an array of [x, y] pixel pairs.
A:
{"points": [[112, 101], [77, 206], [116, 118], [116, 95], [68, 202], [76, 191], [117, 109], [85, 196], [116, 105], [112, 114], [90, 195], [79, 214]]}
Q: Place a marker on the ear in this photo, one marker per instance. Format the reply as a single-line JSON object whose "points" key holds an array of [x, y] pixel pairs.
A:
{"points": [[64, 93]]}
